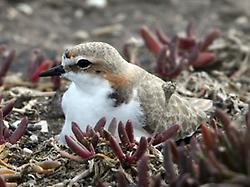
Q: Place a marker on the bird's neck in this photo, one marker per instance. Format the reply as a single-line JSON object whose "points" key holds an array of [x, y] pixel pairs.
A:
{"points": [[118, 87], [91, 84], [124, 86]]}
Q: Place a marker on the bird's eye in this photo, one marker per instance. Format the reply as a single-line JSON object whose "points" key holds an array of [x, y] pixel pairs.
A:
{"points": [[83, 63]]}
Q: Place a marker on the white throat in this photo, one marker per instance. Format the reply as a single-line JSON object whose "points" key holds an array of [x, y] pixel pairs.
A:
{"points": [[86, 101]]}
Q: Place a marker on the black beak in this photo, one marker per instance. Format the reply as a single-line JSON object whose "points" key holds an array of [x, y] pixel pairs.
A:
{"points": [[55, 71]]}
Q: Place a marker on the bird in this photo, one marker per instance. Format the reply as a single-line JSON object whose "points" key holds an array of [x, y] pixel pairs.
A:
{"points": [[104, 84]]}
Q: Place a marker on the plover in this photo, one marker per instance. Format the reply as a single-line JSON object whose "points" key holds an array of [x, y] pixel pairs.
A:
{"points": [[106, 85]]}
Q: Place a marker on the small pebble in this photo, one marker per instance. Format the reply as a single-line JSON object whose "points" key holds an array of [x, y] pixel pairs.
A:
{"points": [[43, 124], [15, 124], [28, 151], [114, 30], [12, 14], [34, 138], [96, 3], [79, 14], [242, 20], [31, 127], [81, 34], [25, 8]]}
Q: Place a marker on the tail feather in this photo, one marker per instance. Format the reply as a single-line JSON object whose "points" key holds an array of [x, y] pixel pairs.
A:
{"points": [[188, 112]]}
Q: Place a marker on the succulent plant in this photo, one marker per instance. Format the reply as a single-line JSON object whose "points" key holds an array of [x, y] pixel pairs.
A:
{"points": [[7, 135], [8, 56], [2, 182], [128, 151], [220, 156], [39, 62], [179, 52]]}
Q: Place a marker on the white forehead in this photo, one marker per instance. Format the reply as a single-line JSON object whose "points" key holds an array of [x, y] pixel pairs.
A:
{"points": [[67, 61]]}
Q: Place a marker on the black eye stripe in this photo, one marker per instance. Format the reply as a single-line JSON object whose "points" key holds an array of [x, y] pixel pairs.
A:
{"points": [[83, 63]]}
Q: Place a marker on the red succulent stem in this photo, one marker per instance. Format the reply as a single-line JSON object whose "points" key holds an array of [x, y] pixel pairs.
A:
{"points": [[85, 142], [106, 134], [90, 132], [93, 133], [231, 132], [130, 131], [6, 65], [207, 137], [225, 121], [248, 118], [123, 135], [7, 62], [161, 36], [172, 73], [121, 179], [8, 107], [161, 61], [78, 132], [3, 47], [141, 149], [88, 127], [100, 124], [91, 148], [56, 79], [112, 126], [209, 39], [184, 162], [45, 65], [173, 52], [168, 133], [77, 148], [193, 55], [174, 151], [100, 183], [34, 61], [126, 52], [204, 59], [2, 126], [150, 40], [143, 175], [168, 162], [186, 43], [20, 130], [94, 140], [190, 31], [116, 148], [214, 126], [219, 166], [6, 133], [171, 131], [2, 182], [156, 181], [156, 139]]}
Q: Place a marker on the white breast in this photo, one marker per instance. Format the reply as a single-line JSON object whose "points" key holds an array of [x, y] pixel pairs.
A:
{"points": [[86, 101]]}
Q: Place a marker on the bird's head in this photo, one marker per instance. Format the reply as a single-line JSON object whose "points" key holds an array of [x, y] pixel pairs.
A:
{"points": [[96, 59]]}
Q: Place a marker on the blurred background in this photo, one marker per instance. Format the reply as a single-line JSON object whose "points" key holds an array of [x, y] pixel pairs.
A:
{"points": [[52, 25], [202, 45]]}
